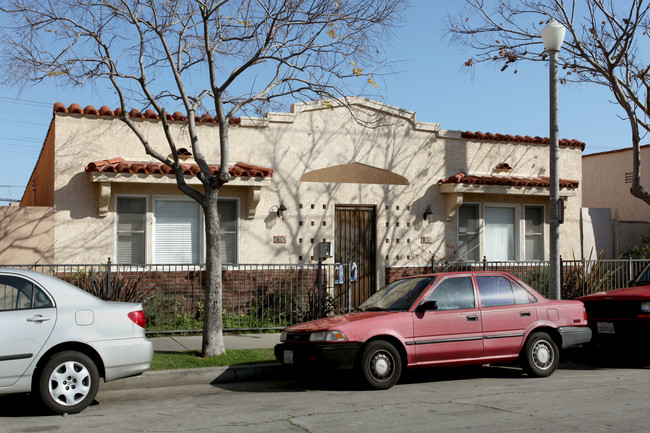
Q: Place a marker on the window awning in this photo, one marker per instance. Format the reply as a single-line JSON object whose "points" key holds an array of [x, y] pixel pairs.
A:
{"points": [[354, 172], [461, 183], [117, 170]]}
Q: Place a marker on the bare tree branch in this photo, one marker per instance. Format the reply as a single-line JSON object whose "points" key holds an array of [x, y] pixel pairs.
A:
{"points": [[604, 45], [221, 56]]}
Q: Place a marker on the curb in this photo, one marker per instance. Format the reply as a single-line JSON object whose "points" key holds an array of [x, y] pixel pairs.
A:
{"points": [[196, 376]]}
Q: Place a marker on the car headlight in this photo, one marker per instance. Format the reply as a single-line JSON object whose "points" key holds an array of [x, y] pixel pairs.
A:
{"points": [[645, 307], [328, 336], [283, 336]]}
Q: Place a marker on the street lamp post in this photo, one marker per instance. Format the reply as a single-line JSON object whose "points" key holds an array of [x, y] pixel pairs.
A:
{"points": [[553, 36]]}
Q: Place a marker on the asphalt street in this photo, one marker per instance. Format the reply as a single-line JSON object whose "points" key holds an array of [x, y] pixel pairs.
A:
{"points": [[579, 397]]}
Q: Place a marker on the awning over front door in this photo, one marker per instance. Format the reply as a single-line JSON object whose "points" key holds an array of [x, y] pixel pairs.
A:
{"points": [[354, 172]]}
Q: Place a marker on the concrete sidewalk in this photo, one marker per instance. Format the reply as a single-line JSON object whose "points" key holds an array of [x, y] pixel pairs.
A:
{"points": [[231, 341], [208, 375]]}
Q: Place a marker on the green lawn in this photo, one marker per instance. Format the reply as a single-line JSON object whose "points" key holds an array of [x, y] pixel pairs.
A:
{"points": [[192, 359]]}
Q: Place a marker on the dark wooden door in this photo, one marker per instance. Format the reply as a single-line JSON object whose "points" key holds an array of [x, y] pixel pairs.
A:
{"points": [[356, 243]]}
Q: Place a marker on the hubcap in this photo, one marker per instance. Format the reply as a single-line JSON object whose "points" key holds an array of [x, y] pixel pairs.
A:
{"points": [[542, 355], [69, 383], [381, 365]]}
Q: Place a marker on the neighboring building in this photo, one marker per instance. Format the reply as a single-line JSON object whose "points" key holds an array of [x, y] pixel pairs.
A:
{"points": [[621, 220], [387, 197]]}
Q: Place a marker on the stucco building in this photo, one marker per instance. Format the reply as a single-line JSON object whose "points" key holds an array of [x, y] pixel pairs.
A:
{"points": [[621, 220], [386, 197]]}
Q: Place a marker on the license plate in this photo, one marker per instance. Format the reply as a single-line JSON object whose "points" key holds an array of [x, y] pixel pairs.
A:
{"points": [[288, 356], [605, 327]]}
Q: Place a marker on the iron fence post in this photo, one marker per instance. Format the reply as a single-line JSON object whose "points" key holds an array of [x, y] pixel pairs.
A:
{"points": [[561, 277], [484, 263], [319, 282], [629, 268], [108, 278]]}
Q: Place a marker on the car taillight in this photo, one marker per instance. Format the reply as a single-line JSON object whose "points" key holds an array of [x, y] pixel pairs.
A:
{"points": [[584, 313], [138, 318]]}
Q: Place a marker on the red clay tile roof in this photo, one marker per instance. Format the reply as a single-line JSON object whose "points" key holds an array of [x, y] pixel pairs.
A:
{"points": [[507, 181], [118, 165], [134, 114], [478, 135]]}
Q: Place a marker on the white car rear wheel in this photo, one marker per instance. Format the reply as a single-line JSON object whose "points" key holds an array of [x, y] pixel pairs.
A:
{"points": [[69, 382]]}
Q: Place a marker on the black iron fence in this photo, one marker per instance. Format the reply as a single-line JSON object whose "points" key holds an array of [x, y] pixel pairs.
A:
{"points": [[578, 277], [268, 297], [254, 297]]}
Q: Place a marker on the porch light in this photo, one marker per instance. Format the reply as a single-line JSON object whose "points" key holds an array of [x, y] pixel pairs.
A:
{"points": [[281, 209], [428, 213]]}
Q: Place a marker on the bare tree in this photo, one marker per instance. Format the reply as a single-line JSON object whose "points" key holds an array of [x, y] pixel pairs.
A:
{"points": [[222, 57], [604, 45]]}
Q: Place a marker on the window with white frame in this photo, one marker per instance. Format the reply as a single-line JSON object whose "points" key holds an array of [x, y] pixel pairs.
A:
{"points": [[177, 231], [131, 218], [534, 229], [469, 232], [496, 228], [500, 234], [228, 219]]}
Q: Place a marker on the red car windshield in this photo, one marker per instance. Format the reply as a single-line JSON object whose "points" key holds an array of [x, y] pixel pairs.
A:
{"points": [[397, 296]]}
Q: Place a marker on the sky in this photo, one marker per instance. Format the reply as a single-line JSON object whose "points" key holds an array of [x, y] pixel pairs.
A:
{"points": [[430, 79]]}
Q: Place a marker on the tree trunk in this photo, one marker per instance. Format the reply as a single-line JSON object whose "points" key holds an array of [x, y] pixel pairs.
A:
{"points": [[637, 189], [213, 322]]}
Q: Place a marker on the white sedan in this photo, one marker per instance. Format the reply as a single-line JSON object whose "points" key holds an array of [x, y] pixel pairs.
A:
{"points": [[57, 340]]}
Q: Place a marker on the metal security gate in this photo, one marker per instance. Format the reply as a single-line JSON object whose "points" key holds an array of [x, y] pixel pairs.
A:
{"points": [[356, 248]]}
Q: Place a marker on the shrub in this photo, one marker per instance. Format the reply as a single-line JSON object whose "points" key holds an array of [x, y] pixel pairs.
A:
{"points": [[166, 313], [640, 251], [121, 288], [592, 277]]}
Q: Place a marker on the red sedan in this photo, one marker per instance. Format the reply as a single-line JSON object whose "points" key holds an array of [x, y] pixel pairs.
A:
{"points": [[448, 319], [622, 316]]}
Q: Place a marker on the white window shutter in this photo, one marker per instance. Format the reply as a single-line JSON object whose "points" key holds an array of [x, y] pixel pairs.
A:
{"points": [[177, 232]]}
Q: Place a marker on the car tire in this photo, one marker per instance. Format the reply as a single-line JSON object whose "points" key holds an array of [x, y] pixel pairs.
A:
{"points": [[68, 382], [540, 356], [381, 364]]}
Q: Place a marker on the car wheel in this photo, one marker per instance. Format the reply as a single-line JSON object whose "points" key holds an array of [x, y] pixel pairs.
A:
{"points": [[540, 356], [69, 382], [381, 364]]}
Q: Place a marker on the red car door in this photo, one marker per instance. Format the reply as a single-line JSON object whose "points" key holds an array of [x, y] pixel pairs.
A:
{"points": [[507, 312], [453, 330]]}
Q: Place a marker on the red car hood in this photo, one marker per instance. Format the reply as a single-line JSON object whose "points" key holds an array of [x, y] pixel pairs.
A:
{"points": [[629, 293], [335, 321]]}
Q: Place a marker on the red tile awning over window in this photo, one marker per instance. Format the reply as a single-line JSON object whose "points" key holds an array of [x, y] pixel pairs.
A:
{"points": [[119, 165], [539, 182]]}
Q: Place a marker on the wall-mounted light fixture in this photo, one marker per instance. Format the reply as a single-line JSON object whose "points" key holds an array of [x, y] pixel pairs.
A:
{"points": [[428, 213], [281, 209]]}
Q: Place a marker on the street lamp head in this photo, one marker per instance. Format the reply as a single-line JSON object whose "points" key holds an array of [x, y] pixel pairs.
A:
{"points": [[553, 35]]}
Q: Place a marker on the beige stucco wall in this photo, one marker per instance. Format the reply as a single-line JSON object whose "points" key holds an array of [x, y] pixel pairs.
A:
{"points": [[604, 183], [26, 235], [311, 137]]}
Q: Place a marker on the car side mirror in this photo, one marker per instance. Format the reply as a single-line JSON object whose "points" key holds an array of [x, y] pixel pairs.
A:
{"points": [[426, 306]]}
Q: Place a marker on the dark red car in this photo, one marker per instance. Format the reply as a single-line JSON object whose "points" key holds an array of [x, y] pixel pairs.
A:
{"points": [[448, 319], [621, 316]]}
